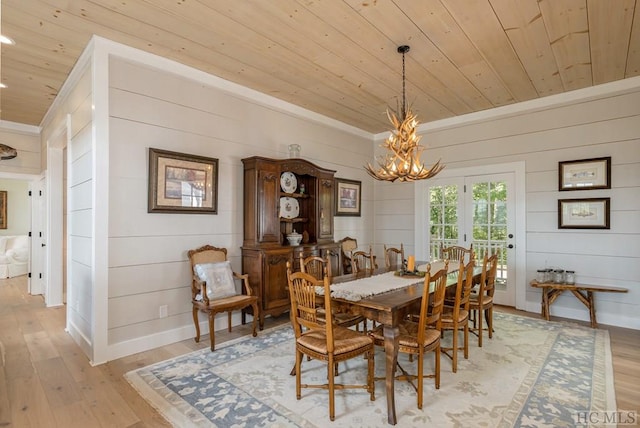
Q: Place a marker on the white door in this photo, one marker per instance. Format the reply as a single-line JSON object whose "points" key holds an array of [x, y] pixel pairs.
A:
{"points": [[476, 210], [489, 220]]}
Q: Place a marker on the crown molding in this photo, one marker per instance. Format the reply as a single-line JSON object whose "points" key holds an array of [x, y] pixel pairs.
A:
{"points": [[19, 127]]}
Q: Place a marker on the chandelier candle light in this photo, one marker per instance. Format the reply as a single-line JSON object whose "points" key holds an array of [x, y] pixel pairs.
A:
{"points": [[402, 162]]}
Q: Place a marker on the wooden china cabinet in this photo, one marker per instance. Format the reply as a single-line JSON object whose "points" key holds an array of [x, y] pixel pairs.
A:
{"points": [[282, 196]]}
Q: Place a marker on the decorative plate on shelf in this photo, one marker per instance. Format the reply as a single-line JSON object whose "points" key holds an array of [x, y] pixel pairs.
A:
{"points": [[289, 207], [288, 182]]}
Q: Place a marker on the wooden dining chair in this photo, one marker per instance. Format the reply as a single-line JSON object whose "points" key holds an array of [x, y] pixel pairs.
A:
{"points": [[315, 266], [420, 335], [393, 257], [456, 253], [456, 317], [361, 260], [319, 267], [347, 246], [320, 339], [481, 304], [213, 289]]}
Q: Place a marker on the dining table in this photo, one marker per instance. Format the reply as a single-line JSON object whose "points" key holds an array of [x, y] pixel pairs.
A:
{"points": [[388, 308]]}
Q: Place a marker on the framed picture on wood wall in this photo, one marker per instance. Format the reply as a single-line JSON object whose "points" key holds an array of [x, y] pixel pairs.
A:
{"points": [[585, 174], [348, 197], [590, 213], [182, 183], [3, 209]]}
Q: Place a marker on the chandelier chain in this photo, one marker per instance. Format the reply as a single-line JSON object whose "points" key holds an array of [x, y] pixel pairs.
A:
{"points": [[404, 91]]}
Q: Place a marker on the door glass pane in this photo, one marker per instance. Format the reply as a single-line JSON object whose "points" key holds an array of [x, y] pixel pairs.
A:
{"points": [[490, 224], [443, 202]]}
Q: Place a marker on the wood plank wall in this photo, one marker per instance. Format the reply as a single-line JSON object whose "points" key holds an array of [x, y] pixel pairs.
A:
{"points": [[74, 110], [148, 265], [562, 130], [80, 240]]}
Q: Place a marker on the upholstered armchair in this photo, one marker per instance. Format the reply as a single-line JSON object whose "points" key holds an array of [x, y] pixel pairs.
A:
{"points": [[213, 289]]}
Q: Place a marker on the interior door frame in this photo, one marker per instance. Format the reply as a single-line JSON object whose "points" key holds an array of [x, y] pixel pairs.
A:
{"points": [[55, 215], [31, 180], [38, 262], [422, 216]]}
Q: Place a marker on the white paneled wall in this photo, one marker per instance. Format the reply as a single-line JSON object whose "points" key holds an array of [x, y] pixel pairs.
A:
{"points": [[148, 264], [394, 217], [80, 240], [586, 124]]}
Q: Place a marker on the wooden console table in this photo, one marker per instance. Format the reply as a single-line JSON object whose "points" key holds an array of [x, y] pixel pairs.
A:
{"points": [[584, 293]]}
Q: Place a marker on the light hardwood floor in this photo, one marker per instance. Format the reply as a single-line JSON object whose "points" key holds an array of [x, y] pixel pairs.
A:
{"points": [[47, 381]]}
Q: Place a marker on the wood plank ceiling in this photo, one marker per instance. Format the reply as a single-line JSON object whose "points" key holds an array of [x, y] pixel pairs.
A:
{"points": [[336, 57]]}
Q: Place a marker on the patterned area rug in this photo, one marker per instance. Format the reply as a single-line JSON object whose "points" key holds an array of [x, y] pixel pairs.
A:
{"points": [[533, 373]]}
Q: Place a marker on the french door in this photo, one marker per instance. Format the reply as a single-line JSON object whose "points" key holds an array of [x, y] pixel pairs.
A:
{"points": [[478, 210]]}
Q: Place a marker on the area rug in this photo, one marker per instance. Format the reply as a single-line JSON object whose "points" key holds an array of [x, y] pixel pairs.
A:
{"points": [[533, 373]]}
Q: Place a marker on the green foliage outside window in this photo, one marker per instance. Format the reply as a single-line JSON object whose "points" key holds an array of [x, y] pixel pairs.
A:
{"points": [[489, 216]]}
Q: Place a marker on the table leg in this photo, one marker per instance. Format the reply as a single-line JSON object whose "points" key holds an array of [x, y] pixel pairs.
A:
{"points": [[592, 309], [545, 303], [391, 343], [589, 303]]}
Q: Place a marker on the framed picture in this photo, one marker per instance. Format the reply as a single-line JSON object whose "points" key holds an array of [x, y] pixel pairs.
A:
{"points": [[348, 197], [585, 174], [182, 183], [3, 209], [592, 213]]}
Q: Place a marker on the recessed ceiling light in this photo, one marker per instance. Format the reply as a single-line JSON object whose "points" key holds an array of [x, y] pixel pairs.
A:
{"points": [[6, 40]]}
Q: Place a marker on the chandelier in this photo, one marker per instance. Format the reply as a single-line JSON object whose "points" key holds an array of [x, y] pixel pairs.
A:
{"points": [[402, 161]]}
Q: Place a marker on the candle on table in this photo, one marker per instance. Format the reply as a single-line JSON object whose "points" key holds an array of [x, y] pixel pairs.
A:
{"points": [[411, 263]]}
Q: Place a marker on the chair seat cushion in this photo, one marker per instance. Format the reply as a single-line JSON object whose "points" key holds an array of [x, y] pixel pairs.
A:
{"points": [[218, 277], [475, 302], [230, 301], [408, 334], [344, 340], [447, 316]]}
